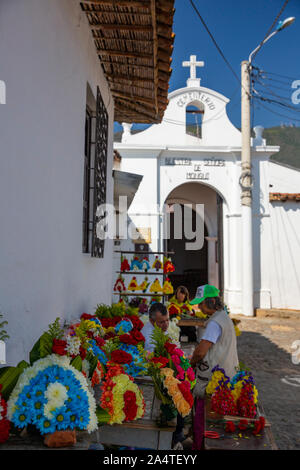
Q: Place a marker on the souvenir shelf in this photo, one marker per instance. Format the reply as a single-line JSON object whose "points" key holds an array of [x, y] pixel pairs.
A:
{"points": [[151, 272]]}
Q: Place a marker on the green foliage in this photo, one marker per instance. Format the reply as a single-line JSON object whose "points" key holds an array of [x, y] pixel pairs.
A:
{"points": [[158, 339], [77, 363], [93, 361], [102, 416], [42, 348], [3, 332], [8, 380], [103, 311], [111, 345], [55, 331], [23, 365], [114, 310]]}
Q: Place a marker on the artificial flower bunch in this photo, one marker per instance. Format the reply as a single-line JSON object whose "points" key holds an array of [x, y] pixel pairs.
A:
{"points": [[222, 400], [121, 397], [181, 364], [180, 392], [52, 395], [168, 266], [119, 285], [4, 422], [166, 361], [257, 426], [235, 397]]}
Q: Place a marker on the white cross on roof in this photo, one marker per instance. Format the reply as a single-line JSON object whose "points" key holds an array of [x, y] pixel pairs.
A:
{"points": [[193, 64]]}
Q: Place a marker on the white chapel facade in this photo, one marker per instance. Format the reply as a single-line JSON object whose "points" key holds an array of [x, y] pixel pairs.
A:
{"points": [[204, 168]]}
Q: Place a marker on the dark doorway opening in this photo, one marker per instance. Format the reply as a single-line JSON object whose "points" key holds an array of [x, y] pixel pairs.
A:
{"points": [[191, 266]]}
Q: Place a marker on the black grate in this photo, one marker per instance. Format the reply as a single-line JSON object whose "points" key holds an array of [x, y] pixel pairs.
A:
{"points": [[100, 166]]}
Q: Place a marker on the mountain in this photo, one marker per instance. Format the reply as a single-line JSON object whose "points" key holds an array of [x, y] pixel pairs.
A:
{"points": [[288, 138]]}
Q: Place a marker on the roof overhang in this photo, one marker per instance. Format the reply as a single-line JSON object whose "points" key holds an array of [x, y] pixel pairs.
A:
{"points": [[134, 41]]}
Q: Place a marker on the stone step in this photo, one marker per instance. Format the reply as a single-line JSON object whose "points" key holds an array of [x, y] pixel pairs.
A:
{"points": [[277, 312]]}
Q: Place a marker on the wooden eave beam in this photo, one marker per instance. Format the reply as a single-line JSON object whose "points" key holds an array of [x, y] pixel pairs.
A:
{"points": [[124, 27], [121, 3]]}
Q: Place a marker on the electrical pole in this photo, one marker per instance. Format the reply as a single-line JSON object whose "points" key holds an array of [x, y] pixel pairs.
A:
{"points": [[246, 183]]}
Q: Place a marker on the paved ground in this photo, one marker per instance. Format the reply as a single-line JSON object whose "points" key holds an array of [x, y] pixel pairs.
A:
{"points": [[265, 346]]}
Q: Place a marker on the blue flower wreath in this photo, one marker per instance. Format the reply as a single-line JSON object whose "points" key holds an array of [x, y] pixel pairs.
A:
{"points": [[29, 407]]}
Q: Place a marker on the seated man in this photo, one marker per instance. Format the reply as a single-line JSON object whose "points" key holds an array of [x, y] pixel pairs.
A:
{"points": [[159, 316]]}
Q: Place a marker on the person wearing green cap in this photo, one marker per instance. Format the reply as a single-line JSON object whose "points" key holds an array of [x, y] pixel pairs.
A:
{"points": [[217, 346]]}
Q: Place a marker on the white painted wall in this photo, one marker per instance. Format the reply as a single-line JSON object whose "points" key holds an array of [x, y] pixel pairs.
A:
{"points": [[47, 58], [284, 240]]}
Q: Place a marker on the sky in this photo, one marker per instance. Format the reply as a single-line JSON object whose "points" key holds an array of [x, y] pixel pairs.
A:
{"points": [[238, 26]]}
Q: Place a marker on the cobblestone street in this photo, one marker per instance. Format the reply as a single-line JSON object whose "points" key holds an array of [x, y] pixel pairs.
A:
{"points": [[265, 347]]}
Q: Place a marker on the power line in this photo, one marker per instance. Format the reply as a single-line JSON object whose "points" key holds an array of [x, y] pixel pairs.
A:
{"points": [[214, 41], [279, 114]]}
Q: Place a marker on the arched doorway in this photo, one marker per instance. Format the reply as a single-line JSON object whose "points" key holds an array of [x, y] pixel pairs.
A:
{"points": [[191, 266], [203, 266]]}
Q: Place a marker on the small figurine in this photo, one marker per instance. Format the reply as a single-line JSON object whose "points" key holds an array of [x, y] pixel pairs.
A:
{"points": [[145, 264], [168, 266], [156, 287], [144, 285], [167, 287], [119, 285], [157, 264], [124, 264], [133, 285], [135, 264]]}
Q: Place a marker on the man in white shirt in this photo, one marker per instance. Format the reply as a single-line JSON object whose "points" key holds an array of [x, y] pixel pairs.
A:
{"points": [[159, 316]]}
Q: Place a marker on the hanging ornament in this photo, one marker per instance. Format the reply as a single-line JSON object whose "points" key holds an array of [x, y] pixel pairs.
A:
{"points": [[168, 266], [167, 287], [155, 286], [157, 264], [124, 264], [135, 264], [145, 264], [133, 285], [144, 285], [119, 285]]}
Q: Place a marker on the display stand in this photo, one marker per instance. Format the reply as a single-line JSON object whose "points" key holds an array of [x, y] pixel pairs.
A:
{"points": [[151, 272]]}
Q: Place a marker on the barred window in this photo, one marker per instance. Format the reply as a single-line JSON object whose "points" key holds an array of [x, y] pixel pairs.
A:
{"points": [[95, 166]]}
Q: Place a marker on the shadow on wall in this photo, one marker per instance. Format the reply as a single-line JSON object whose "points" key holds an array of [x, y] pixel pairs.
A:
{"points": [[278, 383]]}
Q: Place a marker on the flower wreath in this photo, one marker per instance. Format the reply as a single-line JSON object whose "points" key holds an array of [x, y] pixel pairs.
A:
{"points": [[121, 397], [52, 395]]}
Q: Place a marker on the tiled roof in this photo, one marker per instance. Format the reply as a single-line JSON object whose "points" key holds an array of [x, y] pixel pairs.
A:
{"points": [[283, 197]]}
